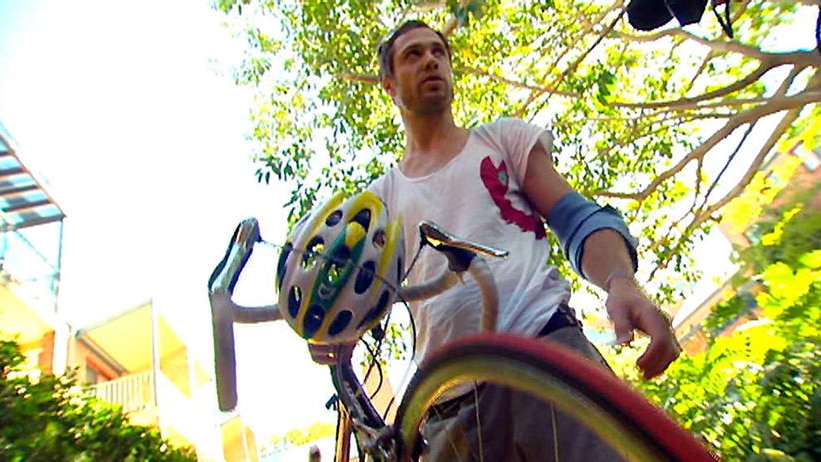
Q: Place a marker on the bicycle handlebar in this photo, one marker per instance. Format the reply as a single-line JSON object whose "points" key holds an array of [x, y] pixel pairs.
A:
{"points": [[462, 256], [224, 312]]}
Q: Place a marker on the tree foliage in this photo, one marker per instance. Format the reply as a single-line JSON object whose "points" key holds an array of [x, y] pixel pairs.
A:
{"points": [[299, 436], [781, 235], [754, 393], [668, 125], [51, 419], [757, 390], [785, 234]]}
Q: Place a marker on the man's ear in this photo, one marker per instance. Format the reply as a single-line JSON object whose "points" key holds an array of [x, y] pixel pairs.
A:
{"points": [[388, 86]]}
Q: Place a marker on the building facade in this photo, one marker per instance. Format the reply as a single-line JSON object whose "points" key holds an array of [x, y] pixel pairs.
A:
{"points": [[792, 175], [136, 358]]}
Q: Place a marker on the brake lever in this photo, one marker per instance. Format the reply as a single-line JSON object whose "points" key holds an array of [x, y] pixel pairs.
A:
{"points": [[220, 288]]}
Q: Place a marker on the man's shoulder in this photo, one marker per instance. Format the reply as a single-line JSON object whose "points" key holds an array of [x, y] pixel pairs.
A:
{"points": [[382, 182], [505, 128], [501, 123]]}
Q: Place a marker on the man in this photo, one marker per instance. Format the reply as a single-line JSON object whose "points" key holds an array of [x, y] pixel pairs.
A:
{"points": [[494, 184]]}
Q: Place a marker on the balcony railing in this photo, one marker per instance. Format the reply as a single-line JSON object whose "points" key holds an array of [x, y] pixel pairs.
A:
{"points": [[134, 392], [157, 398]]}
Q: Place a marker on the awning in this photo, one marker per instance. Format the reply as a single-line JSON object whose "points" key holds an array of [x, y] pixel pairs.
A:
{"points": [[23, 200]]}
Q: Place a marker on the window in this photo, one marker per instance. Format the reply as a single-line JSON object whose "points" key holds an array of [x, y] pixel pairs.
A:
{"points": [[92, 375], [754, 233], [810, 159]]}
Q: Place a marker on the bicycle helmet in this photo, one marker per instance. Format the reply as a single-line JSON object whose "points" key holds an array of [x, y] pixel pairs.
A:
{"points": [[339, 269]]}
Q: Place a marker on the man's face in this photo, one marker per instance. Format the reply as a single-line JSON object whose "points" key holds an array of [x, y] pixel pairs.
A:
{"points": [[422, 80]]}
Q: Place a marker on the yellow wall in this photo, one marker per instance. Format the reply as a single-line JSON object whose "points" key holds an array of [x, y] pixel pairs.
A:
{"points": [[235, 447]]}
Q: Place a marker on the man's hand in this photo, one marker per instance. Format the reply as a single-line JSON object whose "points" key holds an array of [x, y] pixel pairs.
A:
{"points": [[328, 355], [630, 309]]}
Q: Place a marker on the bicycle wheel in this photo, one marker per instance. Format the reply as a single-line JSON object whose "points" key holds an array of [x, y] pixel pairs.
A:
{"points": [[621, 417]]}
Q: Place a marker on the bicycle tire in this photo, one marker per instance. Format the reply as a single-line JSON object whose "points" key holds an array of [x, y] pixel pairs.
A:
{"points": [[622, 417]]}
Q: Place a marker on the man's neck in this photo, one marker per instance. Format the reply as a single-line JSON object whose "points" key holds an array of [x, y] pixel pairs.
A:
{"points": [[432, 141], [427, 135]]}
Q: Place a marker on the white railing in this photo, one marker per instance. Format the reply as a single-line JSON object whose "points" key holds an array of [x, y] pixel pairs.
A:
{"points": [[192, 419], [134, 392]]}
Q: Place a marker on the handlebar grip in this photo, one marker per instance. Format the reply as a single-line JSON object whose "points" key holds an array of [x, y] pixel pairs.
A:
{"points": [[225, 363]]}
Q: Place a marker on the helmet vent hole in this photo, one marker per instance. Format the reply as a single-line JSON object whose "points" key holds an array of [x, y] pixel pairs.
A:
{"points": [[376, 312], [379, 239], [364, 278], [313, 320], [339, 262], [294, 301], [334, 218], [363, 217], [383, 301], [341, 322], [283, 259], [313, 250]]}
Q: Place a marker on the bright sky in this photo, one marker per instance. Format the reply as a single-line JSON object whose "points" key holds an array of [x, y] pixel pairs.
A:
{"points": [[119, 106]]}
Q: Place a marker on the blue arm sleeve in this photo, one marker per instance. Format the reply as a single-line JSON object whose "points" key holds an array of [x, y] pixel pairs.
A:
{"points": [[574, 218]]}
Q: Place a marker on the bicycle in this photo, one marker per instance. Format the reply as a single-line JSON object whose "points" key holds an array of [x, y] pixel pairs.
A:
{"points": [[619, 415]]}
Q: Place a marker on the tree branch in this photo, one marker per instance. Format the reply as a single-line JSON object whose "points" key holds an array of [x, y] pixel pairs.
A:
{"points": [[563, 36], [512, 83], [677, 117], [763, 99], [801, 58], [776, 105], [729, 161], [693, 101], [794, 2], [428, 6], [707, 58], [365, 78], [571, 68], [362, 78], [558, 59], [453, 22], [706, 213]]}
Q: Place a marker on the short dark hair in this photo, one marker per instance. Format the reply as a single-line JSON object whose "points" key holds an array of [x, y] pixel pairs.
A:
{"points": [[385, 50]]}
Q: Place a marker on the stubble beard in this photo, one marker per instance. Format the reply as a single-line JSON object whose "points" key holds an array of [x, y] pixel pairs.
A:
{"points": [[434, 105]]}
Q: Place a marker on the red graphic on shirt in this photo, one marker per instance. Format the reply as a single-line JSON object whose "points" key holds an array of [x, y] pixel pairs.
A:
{"points": [[497, 183]]}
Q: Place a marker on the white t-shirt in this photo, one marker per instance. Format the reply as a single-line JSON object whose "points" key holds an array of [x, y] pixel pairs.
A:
{"points": [[478, 196]]}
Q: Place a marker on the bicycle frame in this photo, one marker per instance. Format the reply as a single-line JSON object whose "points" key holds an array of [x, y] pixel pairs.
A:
{"points": [[358, 415]]}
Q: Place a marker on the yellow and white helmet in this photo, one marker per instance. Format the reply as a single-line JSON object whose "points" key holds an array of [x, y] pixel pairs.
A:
{"points": [[340, 268]]}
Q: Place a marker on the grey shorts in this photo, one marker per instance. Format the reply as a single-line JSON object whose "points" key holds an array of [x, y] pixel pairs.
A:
{"points": [[514, 426]]}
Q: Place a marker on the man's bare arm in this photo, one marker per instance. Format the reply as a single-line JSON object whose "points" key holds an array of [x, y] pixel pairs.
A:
{"points": [[606, 262]]}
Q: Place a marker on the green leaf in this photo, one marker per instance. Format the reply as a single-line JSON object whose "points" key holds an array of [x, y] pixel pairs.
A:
{"points": [[812, 259], [49, 419]]}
